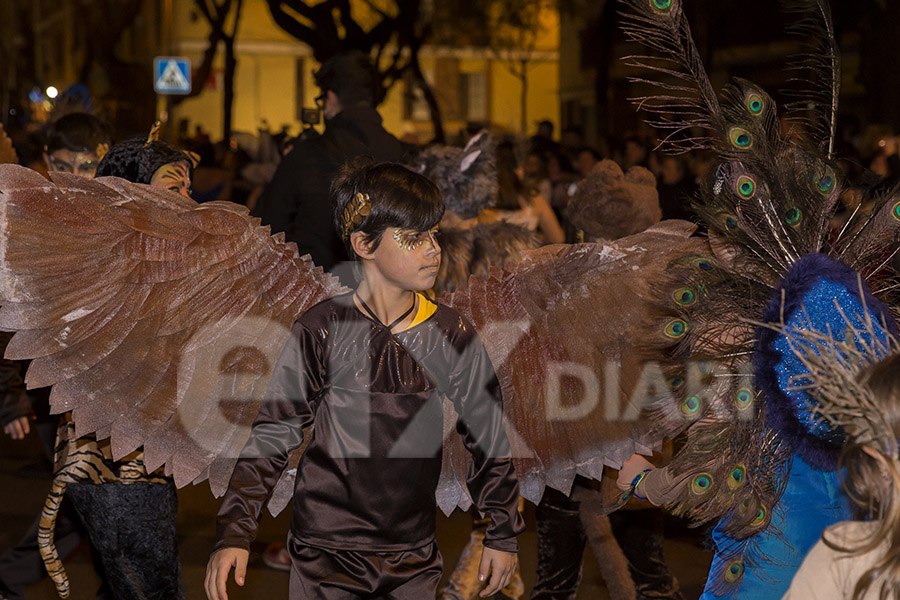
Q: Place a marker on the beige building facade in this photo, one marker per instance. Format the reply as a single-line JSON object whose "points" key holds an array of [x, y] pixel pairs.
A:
{"points": [[274, 80]]}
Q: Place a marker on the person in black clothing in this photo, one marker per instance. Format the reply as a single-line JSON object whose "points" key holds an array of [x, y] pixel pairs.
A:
{"points": [[296, 201], [20, 412], [676, 190]]}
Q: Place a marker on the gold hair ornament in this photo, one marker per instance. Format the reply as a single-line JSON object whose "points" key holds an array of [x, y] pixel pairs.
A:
{"points": [[154, 133], [358, 207]]}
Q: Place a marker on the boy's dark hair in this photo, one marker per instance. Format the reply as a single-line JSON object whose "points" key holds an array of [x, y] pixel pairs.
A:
{"points": [[395, 195], [351, 76], [137, 161], [78, 132]]}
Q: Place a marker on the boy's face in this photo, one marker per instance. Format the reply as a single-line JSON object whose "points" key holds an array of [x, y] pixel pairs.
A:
{"points": [[407, 258], [83, 164]]}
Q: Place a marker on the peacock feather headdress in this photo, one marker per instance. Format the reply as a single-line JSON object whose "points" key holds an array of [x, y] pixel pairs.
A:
{"points": [[767, 202]]}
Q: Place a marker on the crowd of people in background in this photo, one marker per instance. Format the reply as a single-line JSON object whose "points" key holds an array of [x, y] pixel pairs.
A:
{"points": [[534, 172]]}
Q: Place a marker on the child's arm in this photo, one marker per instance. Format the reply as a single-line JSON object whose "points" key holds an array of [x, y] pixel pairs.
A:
{"points": [[297, 379], [475, 392]]}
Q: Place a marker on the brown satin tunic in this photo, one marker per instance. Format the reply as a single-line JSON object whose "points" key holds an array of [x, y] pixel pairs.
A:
{"points": [[367, 480]]}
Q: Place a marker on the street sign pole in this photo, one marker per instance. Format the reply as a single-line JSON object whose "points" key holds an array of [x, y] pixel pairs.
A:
{"points": [[171, 76]]}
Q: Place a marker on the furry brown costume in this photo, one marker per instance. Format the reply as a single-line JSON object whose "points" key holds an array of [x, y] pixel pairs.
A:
{"points": [[467, 252], [610, 204], [467, 177]]}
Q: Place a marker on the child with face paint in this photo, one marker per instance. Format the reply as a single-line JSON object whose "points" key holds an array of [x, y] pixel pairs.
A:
{"points": [[76, 143], [369, 368], [152, 162], [139, 561]]}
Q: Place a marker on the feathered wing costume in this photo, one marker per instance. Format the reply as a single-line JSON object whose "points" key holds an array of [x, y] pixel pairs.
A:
{"points": [[158, 320]]}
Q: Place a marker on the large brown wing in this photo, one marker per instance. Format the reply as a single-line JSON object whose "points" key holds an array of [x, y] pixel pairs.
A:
{"points": [[156, 320], [567, 329]]}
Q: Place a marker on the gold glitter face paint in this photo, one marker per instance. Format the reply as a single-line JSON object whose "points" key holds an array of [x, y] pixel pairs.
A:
{"points": [[409, 239]]}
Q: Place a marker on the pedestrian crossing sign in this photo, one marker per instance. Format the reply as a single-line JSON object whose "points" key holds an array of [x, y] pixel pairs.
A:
{"points": [[172, 75]]}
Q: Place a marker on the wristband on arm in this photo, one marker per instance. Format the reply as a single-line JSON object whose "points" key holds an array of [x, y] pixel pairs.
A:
{"points": [[634, 483]]}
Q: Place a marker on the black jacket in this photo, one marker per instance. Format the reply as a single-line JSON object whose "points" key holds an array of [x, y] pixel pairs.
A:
{"points": [[368, 479], [296, 200], [14, 402]]}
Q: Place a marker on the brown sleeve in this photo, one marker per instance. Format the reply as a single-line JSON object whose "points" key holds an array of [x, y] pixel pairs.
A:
{"points": [[297, 379], [475, 392], [659, 487]]}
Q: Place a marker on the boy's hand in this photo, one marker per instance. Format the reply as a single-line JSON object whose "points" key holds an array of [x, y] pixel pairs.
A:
{"points": [[219, 566], [500, 566]]}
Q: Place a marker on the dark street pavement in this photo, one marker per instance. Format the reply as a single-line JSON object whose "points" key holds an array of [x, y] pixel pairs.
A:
{"points": [[23, 487]]}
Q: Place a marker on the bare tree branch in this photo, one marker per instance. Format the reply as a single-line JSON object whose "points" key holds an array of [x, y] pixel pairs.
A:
{"points": [[329, 27]]}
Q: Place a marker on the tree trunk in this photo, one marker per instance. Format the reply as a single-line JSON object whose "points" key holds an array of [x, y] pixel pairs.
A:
{"points": [[523, 75], [433, 107], [230, 68], [604, 30]]}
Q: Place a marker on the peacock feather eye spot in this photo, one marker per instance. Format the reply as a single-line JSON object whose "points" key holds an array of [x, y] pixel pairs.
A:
{"points": [[734, 571], [704, 367], [760, 517], [825, 180], [674, 382], [702, 263], [730, 223], [746, 186], [684, 297], [701, 483], [896, 211], [743, 398], [736, 477], [792, 216], [661, 4], [675, 328], [691, 405], [740, 138], [755, 104]]}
